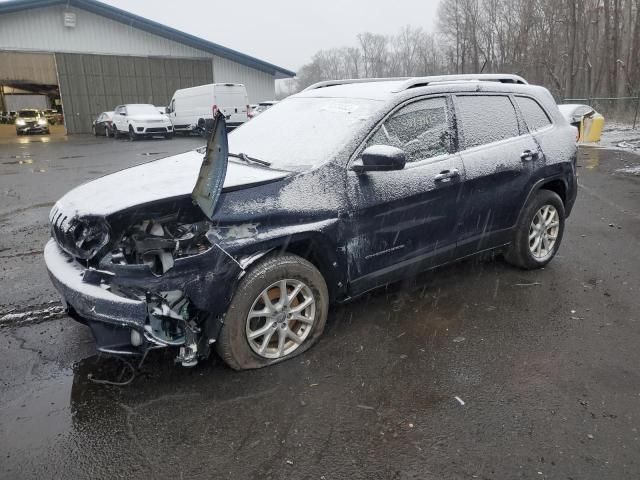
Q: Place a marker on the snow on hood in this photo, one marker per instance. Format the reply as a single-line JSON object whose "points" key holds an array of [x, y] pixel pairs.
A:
{"points": [[165, 178]]}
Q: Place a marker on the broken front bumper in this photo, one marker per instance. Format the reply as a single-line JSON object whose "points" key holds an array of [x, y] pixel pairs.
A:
{"points": [[207, 280], [91, 302], [110, 316]]}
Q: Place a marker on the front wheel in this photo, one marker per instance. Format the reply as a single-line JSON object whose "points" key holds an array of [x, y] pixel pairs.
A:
{"points": [[132, 135], [278, 311], [539, 232]]}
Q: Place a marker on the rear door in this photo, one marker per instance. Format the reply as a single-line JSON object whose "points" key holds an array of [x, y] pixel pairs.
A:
{"points": [[404, 221], [232, 101], [499, 157]]}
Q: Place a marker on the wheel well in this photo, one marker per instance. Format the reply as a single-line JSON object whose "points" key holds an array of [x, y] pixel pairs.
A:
{"points": [[311, 251], [558, 187]]}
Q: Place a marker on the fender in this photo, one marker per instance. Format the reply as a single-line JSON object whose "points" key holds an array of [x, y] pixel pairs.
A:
{"points": [[537, 186], [315, 241]]}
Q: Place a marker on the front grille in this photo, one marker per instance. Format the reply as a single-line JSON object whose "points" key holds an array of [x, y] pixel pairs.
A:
{"points": [[156, 130], [59, 229]]}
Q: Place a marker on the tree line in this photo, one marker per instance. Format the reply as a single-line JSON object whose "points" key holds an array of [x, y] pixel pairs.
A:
{"points": [[576, 48]]}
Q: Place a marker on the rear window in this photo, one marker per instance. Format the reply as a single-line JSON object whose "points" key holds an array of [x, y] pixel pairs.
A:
{"points": [[534, 116], [486, 118]]}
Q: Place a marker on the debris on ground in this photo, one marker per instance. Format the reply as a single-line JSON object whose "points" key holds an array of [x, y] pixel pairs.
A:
{"points": [[460, 401]]}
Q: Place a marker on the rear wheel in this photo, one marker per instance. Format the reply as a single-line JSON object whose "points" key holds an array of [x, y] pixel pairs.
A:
{"points": [[168, 136], [539, 231], [278, 311]]}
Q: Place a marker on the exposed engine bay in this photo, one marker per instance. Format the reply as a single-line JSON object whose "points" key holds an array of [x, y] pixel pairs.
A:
{"points": [[158, 243]]}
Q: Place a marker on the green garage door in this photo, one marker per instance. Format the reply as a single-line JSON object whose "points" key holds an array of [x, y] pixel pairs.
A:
{"points": [[90, 84]]}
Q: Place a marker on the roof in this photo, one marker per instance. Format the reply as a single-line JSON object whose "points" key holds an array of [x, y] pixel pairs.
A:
{"points": [[155, 28], [385, 88]]}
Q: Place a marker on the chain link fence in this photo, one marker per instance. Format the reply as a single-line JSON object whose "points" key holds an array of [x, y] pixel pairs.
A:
{"points": [[617, 110]]}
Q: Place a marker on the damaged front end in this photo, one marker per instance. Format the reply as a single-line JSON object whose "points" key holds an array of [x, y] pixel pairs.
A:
{"points": [[150, 277]]}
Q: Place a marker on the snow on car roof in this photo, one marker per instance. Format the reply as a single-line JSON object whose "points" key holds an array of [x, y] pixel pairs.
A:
{"points": [[372, 90]]}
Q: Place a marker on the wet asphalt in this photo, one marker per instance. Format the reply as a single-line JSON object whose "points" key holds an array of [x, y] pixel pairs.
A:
{"points": [[476, 370]]}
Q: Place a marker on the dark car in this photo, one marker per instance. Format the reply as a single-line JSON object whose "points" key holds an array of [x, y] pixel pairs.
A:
{"points": [[371, 182], [31, 121], [103, 125]]}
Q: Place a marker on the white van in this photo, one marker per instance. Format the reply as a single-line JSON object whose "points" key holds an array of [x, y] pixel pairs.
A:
{"points": [[189, 105]]}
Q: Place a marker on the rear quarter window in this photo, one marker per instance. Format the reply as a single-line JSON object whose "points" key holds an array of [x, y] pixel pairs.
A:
{"points": [[486, 119], [534, 115]]}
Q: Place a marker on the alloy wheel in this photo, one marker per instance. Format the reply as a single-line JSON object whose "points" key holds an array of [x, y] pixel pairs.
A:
{"points": [[281, 318], [543, 232]]}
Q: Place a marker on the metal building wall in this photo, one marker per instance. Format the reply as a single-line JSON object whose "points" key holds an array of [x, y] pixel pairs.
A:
{"points": [[260, 85], [90, 84], [43, 30], [28, 67]]}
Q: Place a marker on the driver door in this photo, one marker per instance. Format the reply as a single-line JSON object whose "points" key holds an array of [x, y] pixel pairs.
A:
{"points": [[404, 221]]}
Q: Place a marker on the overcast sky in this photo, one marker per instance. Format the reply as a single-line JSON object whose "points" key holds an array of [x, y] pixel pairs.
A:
{"points": [[284, 32]]}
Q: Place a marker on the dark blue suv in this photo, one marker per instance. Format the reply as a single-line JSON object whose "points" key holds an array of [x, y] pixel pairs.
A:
{"points": [[345, 187]]}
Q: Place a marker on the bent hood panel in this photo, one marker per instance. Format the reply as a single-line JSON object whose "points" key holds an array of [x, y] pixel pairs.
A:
{"points": [[214, 168], [165, 178]]}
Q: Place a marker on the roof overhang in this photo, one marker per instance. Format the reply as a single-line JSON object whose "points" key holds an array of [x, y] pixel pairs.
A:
{"points": [[155, 28]]}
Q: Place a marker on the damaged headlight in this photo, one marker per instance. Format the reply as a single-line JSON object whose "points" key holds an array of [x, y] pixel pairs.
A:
{"points": [[158, 243], [81, 237]]}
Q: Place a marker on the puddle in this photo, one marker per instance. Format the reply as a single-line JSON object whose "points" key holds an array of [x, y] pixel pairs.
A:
{"points": [[37, 418]]}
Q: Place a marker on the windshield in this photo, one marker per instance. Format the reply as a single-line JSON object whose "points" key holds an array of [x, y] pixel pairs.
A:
{"points": [[28, 113], [300, 133], [142, 110]]}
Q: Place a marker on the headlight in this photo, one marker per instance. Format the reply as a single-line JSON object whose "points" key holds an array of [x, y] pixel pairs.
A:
{"points": [[20, 122], [84, 237], [42, 121]]}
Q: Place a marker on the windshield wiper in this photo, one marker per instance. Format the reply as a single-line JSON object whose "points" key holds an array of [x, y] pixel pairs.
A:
{"points": [[248, 159]]}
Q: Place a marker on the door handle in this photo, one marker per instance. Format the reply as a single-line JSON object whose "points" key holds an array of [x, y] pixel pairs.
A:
{"points": [[447, 175], [528, 155]]}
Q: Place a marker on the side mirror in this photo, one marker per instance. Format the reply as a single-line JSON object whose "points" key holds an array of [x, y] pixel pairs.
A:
{"points": [[380, 158]]}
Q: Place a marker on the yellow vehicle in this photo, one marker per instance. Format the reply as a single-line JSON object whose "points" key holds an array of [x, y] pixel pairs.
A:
{"points": [[588, 122]]}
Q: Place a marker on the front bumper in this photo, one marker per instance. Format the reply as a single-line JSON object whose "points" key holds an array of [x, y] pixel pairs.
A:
{"points": [[89, 301], [32, 128], [153, 129]]}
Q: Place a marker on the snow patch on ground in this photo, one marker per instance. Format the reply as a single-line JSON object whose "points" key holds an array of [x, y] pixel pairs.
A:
{"points": [[619, 136], [36, 314]]}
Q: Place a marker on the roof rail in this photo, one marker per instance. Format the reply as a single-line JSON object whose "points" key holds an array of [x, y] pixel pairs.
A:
{"points": [[332, 83], [468, 77]]}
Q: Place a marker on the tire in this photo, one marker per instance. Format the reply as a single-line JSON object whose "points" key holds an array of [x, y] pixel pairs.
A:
{"points": [[95, 131], [132, 135], [169, 136], [530, 254], [233, 343]]}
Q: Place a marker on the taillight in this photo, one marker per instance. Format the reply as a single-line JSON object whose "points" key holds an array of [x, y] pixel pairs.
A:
{"points": [[249, 112], [215, 110]]}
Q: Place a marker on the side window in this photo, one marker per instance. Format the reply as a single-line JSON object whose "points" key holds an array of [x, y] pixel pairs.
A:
{"points": [[486, 118], [420, 129], [534, 116]]}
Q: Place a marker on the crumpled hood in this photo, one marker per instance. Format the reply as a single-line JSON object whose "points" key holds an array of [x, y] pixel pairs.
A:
{"points": [[165, 178]]}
